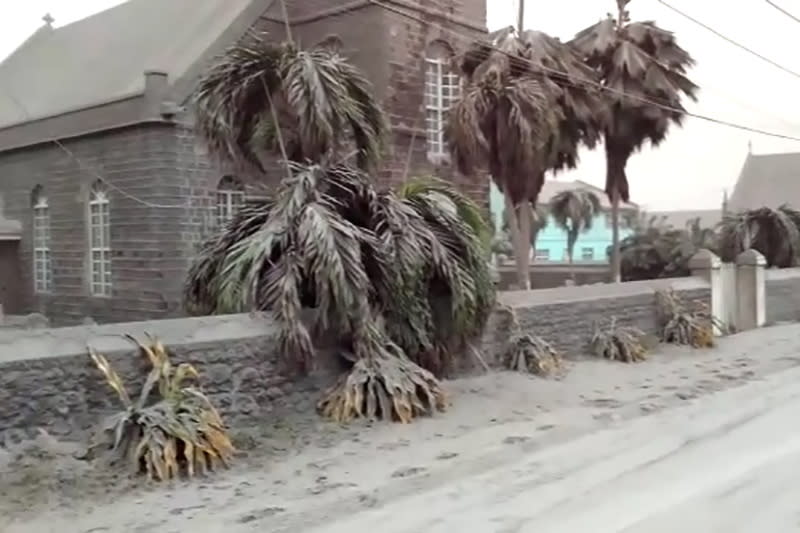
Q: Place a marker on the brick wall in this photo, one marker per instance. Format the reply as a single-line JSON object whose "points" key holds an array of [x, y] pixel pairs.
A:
{"points": [[47, 380], [147, 241], [390, 47], [783, 295]]}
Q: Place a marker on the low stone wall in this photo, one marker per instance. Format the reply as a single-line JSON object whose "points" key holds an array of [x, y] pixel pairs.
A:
{"points": [[783, 295], [566, 316], [553, 275], [47, 379]]}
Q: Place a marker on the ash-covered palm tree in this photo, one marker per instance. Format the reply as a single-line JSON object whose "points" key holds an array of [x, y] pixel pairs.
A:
{"points": [[773, 232], [399, 281], [263, 98], [644, 71], [657, 250], [574, 212], [525, 109]]}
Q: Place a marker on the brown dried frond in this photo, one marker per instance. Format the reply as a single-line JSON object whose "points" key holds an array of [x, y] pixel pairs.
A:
{"points": [[619, 343], [530, 353], [180, 430], [681, 324], [384, 387]]}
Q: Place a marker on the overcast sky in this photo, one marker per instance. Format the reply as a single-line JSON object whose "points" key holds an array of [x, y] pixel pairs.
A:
{"points": [[696, 163]]}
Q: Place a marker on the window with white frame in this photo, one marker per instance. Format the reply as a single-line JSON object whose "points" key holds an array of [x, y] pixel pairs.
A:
{"points": [[542, 254], [230, 198], [442, 90], [587, 254], [42, 262], [99, 242]]}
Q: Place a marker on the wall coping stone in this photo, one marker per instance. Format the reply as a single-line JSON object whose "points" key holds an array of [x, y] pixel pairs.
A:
{"points": [[596, 292], [22, 345], [775, 274], [16, 345]]}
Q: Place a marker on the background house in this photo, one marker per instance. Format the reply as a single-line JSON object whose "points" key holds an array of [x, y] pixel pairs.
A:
{"points": [[105, 186], [551, 242]]}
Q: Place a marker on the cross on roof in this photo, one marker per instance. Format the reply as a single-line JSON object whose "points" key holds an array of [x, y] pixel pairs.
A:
{"points": [[48, 19]]}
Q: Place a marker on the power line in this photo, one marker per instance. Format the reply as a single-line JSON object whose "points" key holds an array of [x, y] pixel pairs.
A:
{"points": [[471, 38], [729, 40], [782, 10], [86, 168]]}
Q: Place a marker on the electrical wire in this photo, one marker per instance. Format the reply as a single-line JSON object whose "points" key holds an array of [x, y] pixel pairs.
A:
{"points": [[94, 173], [471, 38], [782, 10], [729, 40]]}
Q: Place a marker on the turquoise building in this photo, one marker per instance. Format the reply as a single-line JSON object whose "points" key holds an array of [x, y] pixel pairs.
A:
{"points": [[551, 242]]}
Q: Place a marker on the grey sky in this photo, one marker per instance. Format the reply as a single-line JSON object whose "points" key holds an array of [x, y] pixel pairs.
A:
{"points": [[696, 163]]}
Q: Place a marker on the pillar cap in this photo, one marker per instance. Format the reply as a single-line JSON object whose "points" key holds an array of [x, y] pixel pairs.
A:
{"points": [[704, 260], [751, 257]]}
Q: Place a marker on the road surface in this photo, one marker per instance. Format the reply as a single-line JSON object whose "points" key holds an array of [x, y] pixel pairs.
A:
{"points": [[730, 462]]}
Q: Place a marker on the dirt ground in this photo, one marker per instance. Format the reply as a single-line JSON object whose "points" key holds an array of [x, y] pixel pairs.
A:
{"points": [[295, 474]]}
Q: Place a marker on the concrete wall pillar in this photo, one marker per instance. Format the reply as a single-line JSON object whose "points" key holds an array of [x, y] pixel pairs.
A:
{"points": [[706, 265], [751, 290]]}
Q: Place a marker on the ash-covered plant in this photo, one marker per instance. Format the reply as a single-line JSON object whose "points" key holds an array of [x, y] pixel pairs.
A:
{"points": [[531, 354], [624, 344], [171, 428], [528, 353], [401, 279], [688, 325]]}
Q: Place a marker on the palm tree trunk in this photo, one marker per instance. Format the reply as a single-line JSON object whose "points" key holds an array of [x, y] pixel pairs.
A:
{"points": [[616, 275], [522, 247], [571, 265]]}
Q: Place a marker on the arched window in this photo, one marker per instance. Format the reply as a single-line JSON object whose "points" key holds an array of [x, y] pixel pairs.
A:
{"points": [[99, 241], [442, 89], [42, 262], [230, 197]]}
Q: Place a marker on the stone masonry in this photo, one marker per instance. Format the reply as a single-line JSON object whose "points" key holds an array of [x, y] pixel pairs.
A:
{"points": [[48, 381]]}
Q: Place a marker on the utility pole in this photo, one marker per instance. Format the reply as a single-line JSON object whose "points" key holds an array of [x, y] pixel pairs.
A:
{"points": [[521, 16]]}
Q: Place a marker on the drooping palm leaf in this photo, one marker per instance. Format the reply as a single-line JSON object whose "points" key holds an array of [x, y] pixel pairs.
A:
{"points": [[179, 431], [376, 269], [322, 104], [773, 232]]}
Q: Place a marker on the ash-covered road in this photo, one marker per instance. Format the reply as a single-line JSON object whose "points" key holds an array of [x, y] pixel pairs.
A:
{"points": [[729, 462]]}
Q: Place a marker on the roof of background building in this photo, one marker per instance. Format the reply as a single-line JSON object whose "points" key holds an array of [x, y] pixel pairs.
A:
{"points": [[768, 180], [103, 57], [553, 186], [679, 219]]}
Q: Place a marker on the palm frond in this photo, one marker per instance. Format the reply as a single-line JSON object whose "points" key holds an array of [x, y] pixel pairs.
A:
{"points": [[772, 232], [683, 324], [618, 343], [377, 269], [638, 63], [524, 110], [322, 103], [178, 432]]}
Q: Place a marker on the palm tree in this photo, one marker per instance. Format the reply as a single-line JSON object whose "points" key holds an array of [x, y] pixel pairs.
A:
{"points": [[523, 111], [399, 281], [657, 250], [264, 98], [574, 212], [773, 232], [644, 72]]}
